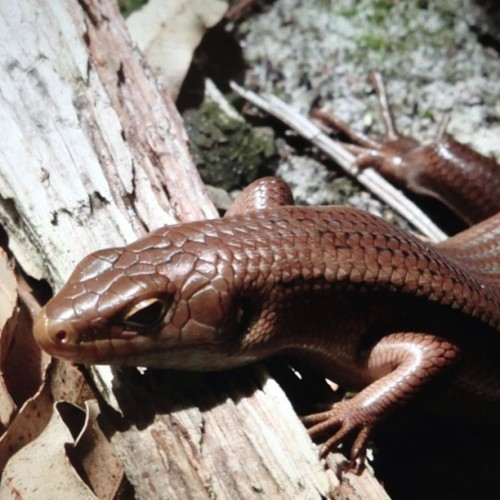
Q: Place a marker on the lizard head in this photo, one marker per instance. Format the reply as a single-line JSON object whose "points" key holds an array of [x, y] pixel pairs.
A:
{"points": [[164, 301]]}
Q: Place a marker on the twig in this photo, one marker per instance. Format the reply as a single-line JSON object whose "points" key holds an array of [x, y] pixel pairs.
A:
{"points": [[367, 177]]}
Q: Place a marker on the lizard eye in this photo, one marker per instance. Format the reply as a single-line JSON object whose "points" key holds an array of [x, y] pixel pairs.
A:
{"points": [[147, 313]]}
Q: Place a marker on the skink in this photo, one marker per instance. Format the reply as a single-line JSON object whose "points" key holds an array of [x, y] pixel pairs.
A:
{"points": [[373, 307]]}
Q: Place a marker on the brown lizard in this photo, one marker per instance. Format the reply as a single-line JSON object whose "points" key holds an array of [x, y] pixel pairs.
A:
{"points": [[376, 309]]}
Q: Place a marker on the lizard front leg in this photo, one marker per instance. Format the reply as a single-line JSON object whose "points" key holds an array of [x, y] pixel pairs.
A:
{"points": [[401, 364]]}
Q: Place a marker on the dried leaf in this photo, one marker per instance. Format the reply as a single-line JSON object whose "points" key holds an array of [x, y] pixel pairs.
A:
{"points": [[63, 381], [71, 456], [8, 301], [42, 469], [7, 407], [8, 289], [25, 352], [27, 425], [94, 455], [19, 348], [169, 32]]}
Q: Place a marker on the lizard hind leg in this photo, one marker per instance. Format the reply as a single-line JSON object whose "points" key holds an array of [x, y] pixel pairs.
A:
{"points": [[400, 365], [367, 151], [335, 123]]}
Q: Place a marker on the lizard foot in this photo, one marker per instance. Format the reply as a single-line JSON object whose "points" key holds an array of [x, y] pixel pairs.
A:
{"points": [[345, 421]]}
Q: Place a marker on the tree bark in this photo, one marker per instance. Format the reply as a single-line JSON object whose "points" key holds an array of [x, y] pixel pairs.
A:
{"points": [[94, 154]]}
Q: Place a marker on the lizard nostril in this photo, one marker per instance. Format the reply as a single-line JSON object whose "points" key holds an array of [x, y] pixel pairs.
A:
{"points": [[61, 336]]}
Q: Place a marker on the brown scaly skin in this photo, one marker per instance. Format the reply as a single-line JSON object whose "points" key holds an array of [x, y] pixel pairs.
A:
{"points": [[376, 309], [464, 180]]}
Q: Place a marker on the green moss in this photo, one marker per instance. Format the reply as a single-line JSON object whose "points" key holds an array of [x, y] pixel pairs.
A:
{"points": [[380, 11], [429, 115], [387, 31], [128, 6], [374, 42], [227, 152]]}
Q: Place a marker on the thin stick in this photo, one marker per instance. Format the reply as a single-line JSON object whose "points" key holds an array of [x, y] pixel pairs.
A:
{"points": [[385, 109], [443, 125]]}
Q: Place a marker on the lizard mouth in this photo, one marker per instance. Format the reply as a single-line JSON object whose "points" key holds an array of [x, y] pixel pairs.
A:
{"points": [[61, 340]]}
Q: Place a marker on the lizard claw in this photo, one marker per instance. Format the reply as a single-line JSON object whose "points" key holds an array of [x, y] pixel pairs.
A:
{"points": [[344, 420]]}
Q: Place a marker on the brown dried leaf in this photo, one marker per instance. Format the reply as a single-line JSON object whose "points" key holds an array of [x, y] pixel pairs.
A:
{"points": [[8, 289], [63, 381], [67, 383], [169, 32], [27, 425], [71, 456], [94, 455], [24, 352], [24, 365], [8, 301], [7, 407], [42, 469]]}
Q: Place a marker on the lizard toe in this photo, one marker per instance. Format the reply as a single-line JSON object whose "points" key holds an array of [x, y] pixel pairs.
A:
{"points": [[343, 422]]}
